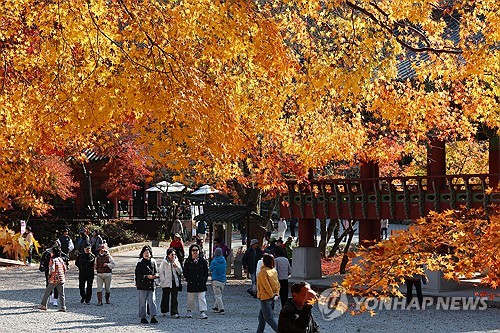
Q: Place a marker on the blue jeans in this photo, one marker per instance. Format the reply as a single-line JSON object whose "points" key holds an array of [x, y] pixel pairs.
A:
{"points": [[266, 316], [147, 296], [253, 277]]}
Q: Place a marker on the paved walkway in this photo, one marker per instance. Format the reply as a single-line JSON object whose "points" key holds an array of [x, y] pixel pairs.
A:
{"points": [[21, 289]]}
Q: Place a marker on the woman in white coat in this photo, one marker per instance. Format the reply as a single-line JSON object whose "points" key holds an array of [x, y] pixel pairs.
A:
{"points": [[281, 229], [170, 283]]}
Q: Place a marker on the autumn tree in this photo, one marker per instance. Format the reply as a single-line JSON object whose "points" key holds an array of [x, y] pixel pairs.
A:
{"points": [[461, 244], [250, 91], [14, 245], [127, 166]]}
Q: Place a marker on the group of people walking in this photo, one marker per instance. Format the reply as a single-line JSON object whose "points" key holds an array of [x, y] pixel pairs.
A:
{"points": [[269, 280], [295, 315], [168, 277], [271, 285], [93, 261], [269, 271]]}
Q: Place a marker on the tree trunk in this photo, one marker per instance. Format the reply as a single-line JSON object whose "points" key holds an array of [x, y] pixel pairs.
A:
{"points": [[345, 258], [252, 197], [333, 226], [336, 245], [323, 237], [326, 234], [91, 209]]}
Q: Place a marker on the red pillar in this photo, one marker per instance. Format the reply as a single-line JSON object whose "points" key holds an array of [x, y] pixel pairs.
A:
{"points": [[494, 160], [436, 160], [369, 232], [368, 170], [307, 228], [369, 229]]}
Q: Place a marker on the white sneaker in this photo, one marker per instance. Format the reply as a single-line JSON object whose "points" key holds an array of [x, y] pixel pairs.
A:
{"points": [[203, 315], [55, 302], [189, 314]]}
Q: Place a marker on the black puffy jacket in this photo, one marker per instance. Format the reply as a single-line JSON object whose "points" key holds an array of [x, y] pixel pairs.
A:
{"points": [[142, 270], [250, 259], [85, 263], [196, 275]]}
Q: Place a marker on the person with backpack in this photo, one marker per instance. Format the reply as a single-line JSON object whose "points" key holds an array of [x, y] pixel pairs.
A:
{"points": [[56, 280], [95, 242], [85, 263], [45, 268]]}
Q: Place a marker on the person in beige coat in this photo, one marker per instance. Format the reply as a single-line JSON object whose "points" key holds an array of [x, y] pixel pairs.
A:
{"points": [[170, 283]]}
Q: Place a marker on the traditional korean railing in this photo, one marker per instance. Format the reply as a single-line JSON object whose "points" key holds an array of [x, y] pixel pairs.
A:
{"points": [[392, 198]]}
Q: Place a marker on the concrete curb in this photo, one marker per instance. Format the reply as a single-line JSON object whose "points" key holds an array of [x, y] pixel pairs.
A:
{"points": [[136, 246]]}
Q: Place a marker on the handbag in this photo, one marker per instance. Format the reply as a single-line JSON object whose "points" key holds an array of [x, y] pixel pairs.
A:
{"points": [[41, 268], [179, 288]]}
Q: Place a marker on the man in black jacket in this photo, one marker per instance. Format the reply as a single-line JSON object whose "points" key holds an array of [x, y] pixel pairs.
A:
{"points": [[85, 263], [249, 261], [66, 242], [296, 317]]}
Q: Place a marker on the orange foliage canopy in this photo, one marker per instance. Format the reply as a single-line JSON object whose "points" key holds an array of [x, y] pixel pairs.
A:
{"points": [[249, 90], [460, 244]]}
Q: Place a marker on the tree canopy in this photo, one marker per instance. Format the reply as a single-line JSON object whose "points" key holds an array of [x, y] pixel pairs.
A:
{"points": [[253, 91], [461, 244]]}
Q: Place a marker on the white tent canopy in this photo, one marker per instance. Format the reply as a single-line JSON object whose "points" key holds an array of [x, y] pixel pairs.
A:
{"points": [[167, 187], [205, 189], [154, 189]]}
